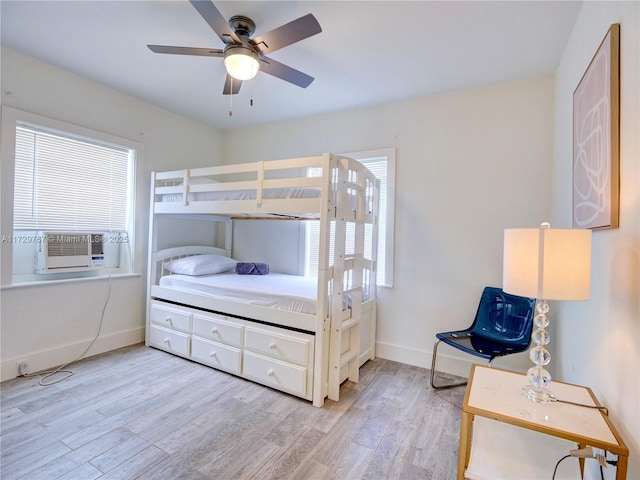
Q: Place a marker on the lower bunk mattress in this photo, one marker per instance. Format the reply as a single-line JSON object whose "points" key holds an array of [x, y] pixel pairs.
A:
{"points": [[285, 292]]}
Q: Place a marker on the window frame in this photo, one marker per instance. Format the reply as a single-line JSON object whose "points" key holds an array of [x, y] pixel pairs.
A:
{"points": [[11, 117]]}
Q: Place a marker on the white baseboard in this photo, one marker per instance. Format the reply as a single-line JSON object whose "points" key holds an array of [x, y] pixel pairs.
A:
{"points": [[448, 363], [422, 358], [61, 354]]}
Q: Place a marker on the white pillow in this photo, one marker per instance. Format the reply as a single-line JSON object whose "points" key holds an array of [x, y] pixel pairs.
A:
{"points": [[201, 265]]}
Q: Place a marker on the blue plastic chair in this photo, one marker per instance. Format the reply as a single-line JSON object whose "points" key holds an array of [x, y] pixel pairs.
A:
{"points": [[502, 326]]}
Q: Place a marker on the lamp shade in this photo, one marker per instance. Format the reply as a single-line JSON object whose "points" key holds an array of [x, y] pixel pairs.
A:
{"points": [[547, 263]]}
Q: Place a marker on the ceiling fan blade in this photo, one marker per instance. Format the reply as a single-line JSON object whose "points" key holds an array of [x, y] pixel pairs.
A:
{"points": [[292, 32], [229, 83], [284, 72], [216, 21], [205, 52]]}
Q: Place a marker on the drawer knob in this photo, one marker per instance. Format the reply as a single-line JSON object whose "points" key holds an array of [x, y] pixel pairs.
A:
{"points": [[214, 330], [272, 345], [270, 372], [166, 340], [213, 353]]}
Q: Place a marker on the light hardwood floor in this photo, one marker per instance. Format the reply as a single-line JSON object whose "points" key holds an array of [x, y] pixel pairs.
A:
{"points": [[141, 413]]}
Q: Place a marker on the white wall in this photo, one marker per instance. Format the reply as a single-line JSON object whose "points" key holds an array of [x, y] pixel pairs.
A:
{"points": [[598, 341], [469, 164], [51, 324]]}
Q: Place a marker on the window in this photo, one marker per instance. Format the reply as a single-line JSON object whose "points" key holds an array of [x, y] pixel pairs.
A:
{"points": [[63, 182], [68, 179], [382, 165]]}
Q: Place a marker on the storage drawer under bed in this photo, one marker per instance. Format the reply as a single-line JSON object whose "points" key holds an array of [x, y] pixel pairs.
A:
{"points": [[215, 327], [274, 356], [216, 355], [279, 345], [275, 373], [169, 340], [170, 317]]}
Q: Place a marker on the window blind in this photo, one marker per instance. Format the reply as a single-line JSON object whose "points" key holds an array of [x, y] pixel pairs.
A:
{"points": [[63, 182], [377, 166]]}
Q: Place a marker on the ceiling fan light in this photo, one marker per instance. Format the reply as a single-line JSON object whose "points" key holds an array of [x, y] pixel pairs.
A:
{"points": [[241, 63]]}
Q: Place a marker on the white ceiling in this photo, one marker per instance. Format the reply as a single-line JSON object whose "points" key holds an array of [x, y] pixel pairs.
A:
{"points": [[368, 52]]}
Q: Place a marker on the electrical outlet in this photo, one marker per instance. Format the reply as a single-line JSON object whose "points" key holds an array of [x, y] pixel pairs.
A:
{"points": [[23, 367]]}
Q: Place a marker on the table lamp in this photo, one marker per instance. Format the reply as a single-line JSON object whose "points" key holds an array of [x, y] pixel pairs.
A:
{"points": [[546, 264]]}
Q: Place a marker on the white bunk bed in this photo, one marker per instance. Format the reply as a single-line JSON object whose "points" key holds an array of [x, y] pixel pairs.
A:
{"points": [[294, 334]]}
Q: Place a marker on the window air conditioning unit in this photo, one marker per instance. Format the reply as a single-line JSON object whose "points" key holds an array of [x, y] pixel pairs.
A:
{"points": [[60, 252]]}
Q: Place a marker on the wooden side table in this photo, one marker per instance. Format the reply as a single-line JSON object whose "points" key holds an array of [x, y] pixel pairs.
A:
{"points": [[496, 395]]}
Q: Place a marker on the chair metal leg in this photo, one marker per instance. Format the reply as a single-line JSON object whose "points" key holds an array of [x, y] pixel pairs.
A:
{"points": [[433, 372]]}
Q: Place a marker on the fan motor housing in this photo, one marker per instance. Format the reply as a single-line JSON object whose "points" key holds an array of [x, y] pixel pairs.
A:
{"points": [[242, 25]]}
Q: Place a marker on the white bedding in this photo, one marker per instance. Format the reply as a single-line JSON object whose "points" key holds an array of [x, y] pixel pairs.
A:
{"points": [[267, 193], [276, 290]]}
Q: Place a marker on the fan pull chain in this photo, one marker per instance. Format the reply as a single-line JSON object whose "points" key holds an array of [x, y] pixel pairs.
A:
{"points": [[231, 99], [251, 99]]}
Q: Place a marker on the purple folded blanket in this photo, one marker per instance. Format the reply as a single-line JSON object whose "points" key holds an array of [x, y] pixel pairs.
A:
{"points": [[251, 268]]}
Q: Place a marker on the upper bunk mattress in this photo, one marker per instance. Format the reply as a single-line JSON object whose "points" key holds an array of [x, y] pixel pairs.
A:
{"points": [[267, 193], [275, 290]]}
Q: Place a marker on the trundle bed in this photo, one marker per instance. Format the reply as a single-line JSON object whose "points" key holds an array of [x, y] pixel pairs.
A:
{"points": [[301, 335]]}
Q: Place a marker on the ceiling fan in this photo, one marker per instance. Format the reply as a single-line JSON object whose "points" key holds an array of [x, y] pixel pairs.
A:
{"points": [[245, 56]]}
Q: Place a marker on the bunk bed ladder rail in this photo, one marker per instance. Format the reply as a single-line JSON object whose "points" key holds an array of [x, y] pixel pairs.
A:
{"points": [[352, 316], [325, 284]]}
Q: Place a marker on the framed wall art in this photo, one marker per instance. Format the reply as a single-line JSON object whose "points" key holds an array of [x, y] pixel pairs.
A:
{"points": [[596, 138]]}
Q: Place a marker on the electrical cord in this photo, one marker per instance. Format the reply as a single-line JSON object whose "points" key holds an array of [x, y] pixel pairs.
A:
{"points": [[587, 452], [557, 464], [62, 368], [604, 409]]}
